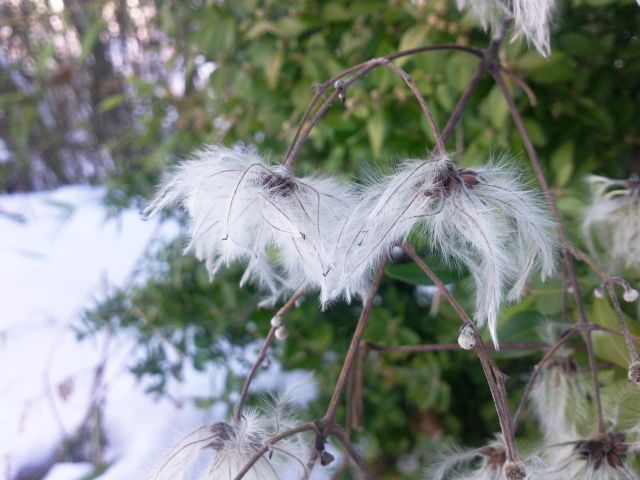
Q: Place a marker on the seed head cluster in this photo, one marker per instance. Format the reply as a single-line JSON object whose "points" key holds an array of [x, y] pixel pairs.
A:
{"points": [[330, 236]]}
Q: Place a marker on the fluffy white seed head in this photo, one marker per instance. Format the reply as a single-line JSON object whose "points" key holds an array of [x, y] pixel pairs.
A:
{"points": [[221, 450], [531, 18], [483, 218], [244, 210], [611, 223]]}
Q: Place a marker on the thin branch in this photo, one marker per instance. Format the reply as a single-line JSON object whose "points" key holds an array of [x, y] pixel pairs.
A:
{"points": [[355, 456], [272, 441], [495, 378], [423, 105], [329, 417], [263, 352], [446, 347], [609, 282], [570, 271], [536, 371]]}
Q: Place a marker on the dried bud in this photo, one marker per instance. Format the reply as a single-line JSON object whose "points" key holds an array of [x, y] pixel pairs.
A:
{"points": [[634, 373], [467, 338], [276, 321], [282, 333], [630, 294], [514, 471], [599, 292], [326, 458]]}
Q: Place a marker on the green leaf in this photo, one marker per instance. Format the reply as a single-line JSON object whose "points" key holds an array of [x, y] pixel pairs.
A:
{"points": [[411, 273], [412, 38], [495, 108], [272, 68], [535, 131], [377, 131], [290, 27], [562, 163], [610, 347]]}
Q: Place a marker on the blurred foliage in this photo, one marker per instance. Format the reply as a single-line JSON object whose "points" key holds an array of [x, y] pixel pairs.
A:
{"points": [[115, 91]]}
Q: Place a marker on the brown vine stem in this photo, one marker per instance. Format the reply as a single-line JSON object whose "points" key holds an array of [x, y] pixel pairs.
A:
{"points": [[307, 427], [263, 352], [495, 378], [321, 88], [423, 104], [571, 274], [536, 371], [330, 415], [609, 282], [358, 71], [327, 425], [486, 60], [342, 437], [446, 347]]}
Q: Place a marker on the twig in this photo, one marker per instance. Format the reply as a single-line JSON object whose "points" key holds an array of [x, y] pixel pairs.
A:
{"points": [[423, 105], [495, 378], [445, 347], [536, 371], [355, 457], [609, 282], [263, 352], [272, 441], [487, 59], [321, 88], [330, 415], [570, 271]]}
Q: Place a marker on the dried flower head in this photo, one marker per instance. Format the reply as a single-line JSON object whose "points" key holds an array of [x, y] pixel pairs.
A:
{"points": [[483, 218], [603, 457], [559, 399], [486, 463], [221, 450], [611, 224], [531, 18], [244, 210]]}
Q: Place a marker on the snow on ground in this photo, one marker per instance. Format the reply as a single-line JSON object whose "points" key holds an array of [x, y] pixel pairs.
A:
{"points": [[59, 260]]}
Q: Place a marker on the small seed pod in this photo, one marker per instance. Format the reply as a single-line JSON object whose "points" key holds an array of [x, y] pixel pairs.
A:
{"points": [[326, 458], [514, 471], [282, 333], [630, 294], [599, 292], [467, 338], [634, 373], [276, 321]]}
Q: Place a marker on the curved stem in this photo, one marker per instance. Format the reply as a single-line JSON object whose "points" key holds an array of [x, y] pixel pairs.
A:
{"points": [[358, 72], [263, 352], [570, 271], [353, 348], [495, 378], [272, 441], [536, 371], [609, 283], [423, 105]]}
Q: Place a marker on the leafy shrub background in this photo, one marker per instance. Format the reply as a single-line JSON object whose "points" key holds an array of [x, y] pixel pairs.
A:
{"points": [[142, 111]]}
